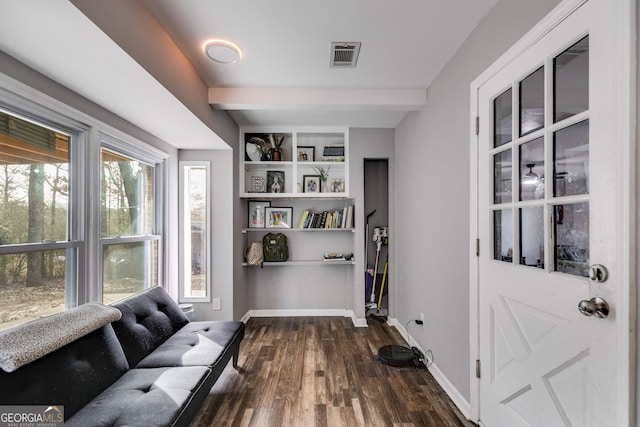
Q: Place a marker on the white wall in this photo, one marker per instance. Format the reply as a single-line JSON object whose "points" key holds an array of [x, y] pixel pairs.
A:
{"points": [[432, 155]]}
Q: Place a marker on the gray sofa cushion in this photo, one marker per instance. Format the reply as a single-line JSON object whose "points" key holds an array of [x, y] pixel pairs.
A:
{"points": [[145, 397], [148, 319], [197, 343], [70, 376]]}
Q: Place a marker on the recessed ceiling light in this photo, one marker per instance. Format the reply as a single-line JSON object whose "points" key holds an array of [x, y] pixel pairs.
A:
{"points": [[222, 51]]}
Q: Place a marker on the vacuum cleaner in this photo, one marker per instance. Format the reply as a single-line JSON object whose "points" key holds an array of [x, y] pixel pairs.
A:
{"points": [[380, 237]]}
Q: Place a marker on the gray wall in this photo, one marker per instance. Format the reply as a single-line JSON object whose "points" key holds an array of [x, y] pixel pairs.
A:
{"points": [[371, 144], [433, 190], [222, 197], [136, 31]]}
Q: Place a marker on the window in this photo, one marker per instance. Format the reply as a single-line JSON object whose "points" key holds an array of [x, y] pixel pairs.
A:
{"points": [[129, 238], [38, 239], [195, 231], [81, 212]]}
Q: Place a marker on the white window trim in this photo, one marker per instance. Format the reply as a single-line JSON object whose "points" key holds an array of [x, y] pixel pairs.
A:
{"points": [[184, 269], [143, 153]]}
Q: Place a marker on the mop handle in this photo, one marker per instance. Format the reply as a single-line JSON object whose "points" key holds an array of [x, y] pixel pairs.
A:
{"points": [[384, 277]]}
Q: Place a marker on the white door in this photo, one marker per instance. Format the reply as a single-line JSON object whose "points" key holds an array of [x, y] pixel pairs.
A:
{"points": [[552, 201]]}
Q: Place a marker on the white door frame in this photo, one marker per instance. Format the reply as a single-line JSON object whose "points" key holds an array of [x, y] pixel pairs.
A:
{"points": [[625, 87]]}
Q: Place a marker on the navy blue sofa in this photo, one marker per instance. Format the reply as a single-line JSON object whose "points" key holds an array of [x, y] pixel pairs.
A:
{"points": [[150, 368]]}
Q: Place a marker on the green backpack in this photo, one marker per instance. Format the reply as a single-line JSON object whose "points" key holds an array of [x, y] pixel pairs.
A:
{"points": [[274, 246]]}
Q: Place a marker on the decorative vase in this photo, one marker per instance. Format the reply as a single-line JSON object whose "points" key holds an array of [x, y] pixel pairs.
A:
{"points": [[276, 154]]}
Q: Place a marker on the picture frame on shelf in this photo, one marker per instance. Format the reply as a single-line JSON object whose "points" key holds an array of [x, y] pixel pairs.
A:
{"points": [[337, 185], [257, 184], [258, 213], [275, 182], [311, 183], [333, 153], [306, 153], [278, 217]]}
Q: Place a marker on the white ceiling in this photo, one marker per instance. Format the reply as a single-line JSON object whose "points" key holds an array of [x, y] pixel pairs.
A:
{"points": [[284, 76], [286, 46]]}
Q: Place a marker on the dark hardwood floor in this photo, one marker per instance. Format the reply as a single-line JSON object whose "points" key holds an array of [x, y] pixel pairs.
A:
{"points": [[323, 371]]}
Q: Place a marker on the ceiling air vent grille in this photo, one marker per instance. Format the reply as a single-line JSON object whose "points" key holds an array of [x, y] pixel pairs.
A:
{"points": [[344, 54]]}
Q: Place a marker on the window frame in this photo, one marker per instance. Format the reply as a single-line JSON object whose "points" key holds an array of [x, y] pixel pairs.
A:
{"points": [[14, 105], [143, 153], [86, 131], [183, 267]]}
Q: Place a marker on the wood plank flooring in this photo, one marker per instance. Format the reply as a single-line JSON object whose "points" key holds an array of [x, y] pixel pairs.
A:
{"points": [[323, 371]]}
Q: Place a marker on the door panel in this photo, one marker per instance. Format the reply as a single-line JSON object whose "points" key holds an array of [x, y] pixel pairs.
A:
{"points": [[548, 208]]}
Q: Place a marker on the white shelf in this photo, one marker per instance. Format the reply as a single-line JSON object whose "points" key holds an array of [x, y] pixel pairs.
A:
{"points": [[300, 263], [283, 230], [255, 173]]}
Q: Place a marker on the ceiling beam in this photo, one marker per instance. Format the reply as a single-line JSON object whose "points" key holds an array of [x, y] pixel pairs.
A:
{"points": [[317, 99]]}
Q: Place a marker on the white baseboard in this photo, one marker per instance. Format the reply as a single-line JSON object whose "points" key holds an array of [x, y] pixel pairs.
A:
{"points": [[305, 313], [463, 405]]}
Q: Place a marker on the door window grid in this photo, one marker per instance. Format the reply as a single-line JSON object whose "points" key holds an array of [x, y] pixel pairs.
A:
{"points": [[551, 206]]}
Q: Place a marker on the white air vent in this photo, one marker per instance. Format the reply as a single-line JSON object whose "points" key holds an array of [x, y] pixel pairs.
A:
{"points": [[344, 54]]}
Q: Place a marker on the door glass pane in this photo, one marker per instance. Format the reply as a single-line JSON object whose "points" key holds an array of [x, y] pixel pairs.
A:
{"points": [[128, 268], [571, 160], [502, 187], [532, 236], [532, 102], [503, 235], [502, 113], [126, 196], [571, 224], [532, 170], [571, 81]]}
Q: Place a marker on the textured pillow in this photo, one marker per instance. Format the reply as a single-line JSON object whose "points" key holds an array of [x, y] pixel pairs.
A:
{"points": [[30, 341]]}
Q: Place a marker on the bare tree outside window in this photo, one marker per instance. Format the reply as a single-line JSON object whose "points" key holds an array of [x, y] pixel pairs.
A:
{"points": [[130, 253], [34, 206]]}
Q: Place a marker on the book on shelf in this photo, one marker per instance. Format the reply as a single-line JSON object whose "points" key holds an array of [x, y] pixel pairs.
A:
{"points": [[303, 218], [338, 218]]}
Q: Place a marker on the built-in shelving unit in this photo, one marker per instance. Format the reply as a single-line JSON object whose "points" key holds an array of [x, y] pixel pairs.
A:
{"points": [[305, 170], [284, 163]]}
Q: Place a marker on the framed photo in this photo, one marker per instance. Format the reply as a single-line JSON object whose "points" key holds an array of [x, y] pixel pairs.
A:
{"points": [[278, 217], [306, 154], [311, 183], [275, 182], [258, 213], [337, 185]]}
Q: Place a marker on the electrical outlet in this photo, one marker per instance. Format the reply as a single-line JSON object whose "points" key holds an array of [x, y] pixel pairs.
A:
{"points": [[215, 302], [422, 318]]}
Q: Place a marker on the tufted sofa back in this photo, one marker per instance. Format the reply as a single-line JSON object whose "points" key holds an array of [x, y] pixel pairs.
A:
{"points": [[148, 319], [91, 363]]}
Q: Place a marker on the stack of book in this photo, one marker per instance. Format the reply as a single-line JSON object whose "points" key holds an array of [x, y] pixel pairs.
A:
{"points": [[341, 218], [329, 257]]}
